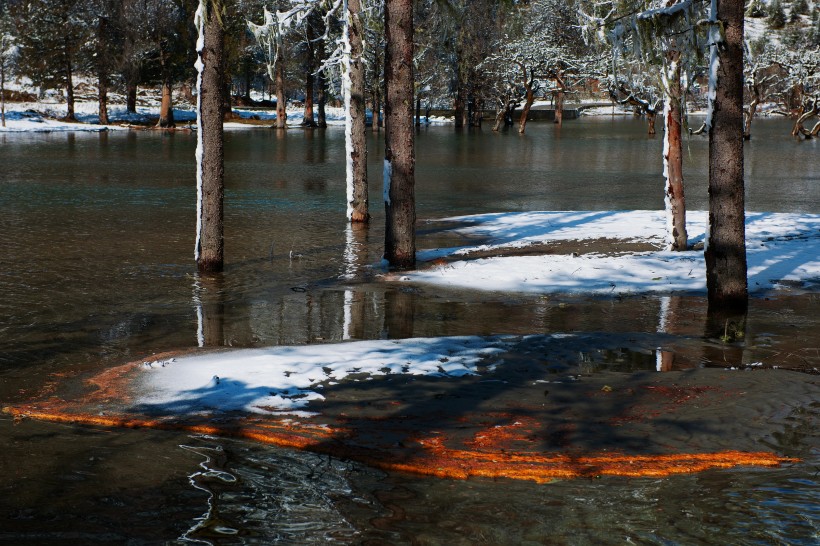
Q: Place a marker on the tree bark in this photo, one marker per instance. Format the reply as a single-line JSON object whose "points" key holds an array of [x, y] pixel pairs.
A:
{"points": [[210, 145], [166, 109], [321, 116], [131, 97], [376, 92], [69, 94], [725, 254], [279, 83], [102, 99], [2, 94], [530, 98], [307, 119], [673, 162], [356, 128], [399, 191]]}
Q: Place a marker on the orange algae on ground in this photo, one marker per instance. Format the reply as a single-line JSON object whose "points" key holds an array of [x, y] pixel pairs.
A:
{"points": [[485, 456]]}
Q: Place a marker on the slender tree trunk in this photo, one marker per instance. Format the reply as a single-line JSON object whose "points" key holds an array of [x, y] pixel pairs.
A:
{"points": [[459, 102], [726, 245], [321, 117], [651, 116], [2, 95], [673, 162], [281, 112], [522, 122], [559, 100], [399, 171], [166, 108], [748, 117], [69, 94], [102, 99], [418, 110], [210, 138], [355, 123], [376, 92]]}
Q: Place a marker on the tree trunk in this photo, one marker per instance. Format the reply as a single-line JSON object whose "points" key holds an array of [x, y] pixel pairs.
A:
{"points": [[748, 117], [459, 102], [726, 245], [375, 90], [355, 123], [210, 140], [321, 117], [673, 162], [131, 97], [2, 94], [102, 99], [281, 112], [166, 109], [651, 116], [522, 123], [308, 120], [559, 99], [418, 110], [399, 170], [69, 95]]}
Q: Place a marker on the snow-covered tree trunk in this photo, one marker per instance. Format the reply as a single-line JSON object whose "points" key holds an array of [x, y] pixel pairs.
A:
{"points": [[399, 160], [210, 138], [355, 123], [673, 158], [726, 241]]}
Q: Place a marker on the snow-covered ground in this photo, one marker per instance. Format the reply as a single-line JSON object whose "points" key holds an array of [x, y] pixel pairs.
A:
{"points": [[781, 249]]}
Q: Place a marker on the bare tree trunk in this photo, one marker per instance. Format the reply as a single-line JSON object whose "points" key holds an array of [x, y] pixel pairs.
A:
{"points": [[459, 101], [673, 163], [418, 110], [131, 97], [281, 112], [321, 118], [522, 123], [748, 116], [307, 119], [375, 90], [2, 94], [69, 95], [726, 246], [399, 175], [210, 143], [356, 128], [166, 109], [102, 99]]}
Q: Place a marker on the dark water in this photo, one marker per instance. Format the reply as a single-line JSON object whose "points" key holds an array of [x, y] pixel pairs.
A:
{"points": [[97, 269]]}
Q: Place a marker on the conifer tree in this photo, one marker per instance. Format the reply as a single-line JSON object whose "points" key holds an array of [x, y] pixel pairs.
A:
{"points": [[777, 16]]}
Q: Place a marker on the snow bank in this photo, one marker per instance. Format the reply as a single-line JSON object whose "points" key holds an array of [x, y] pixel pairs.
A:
{"points": [[781, 248], [285, 379]]}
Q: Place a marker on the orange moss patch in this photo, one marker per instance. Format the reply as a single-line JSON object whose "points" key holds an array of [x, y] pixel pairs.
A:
{"points": [[487, 455]]}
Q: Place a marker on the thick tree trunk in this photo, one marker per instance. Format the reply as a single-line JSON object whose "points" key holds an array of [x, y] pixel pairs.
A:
{"points": [[355, 124], [399, 171], [726, 246], [279, 83], [673, 164], [166, 108], [210, 144], [102, 99]]}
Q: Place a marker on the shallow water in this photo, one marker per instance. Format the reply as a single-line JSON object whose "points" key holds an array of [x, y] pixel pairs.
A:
{"points": [[98, 270]]}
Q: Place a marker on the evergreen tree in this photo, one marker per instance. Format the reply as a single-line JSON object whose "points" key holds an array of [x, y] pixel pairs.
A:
{"points": [[800, 7], [51, 34], [777, 16]]}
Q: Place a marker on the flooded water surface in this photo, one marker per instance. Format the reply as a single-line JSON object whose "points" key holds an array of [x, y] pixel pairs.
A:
{"points": [[97, 270]]}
